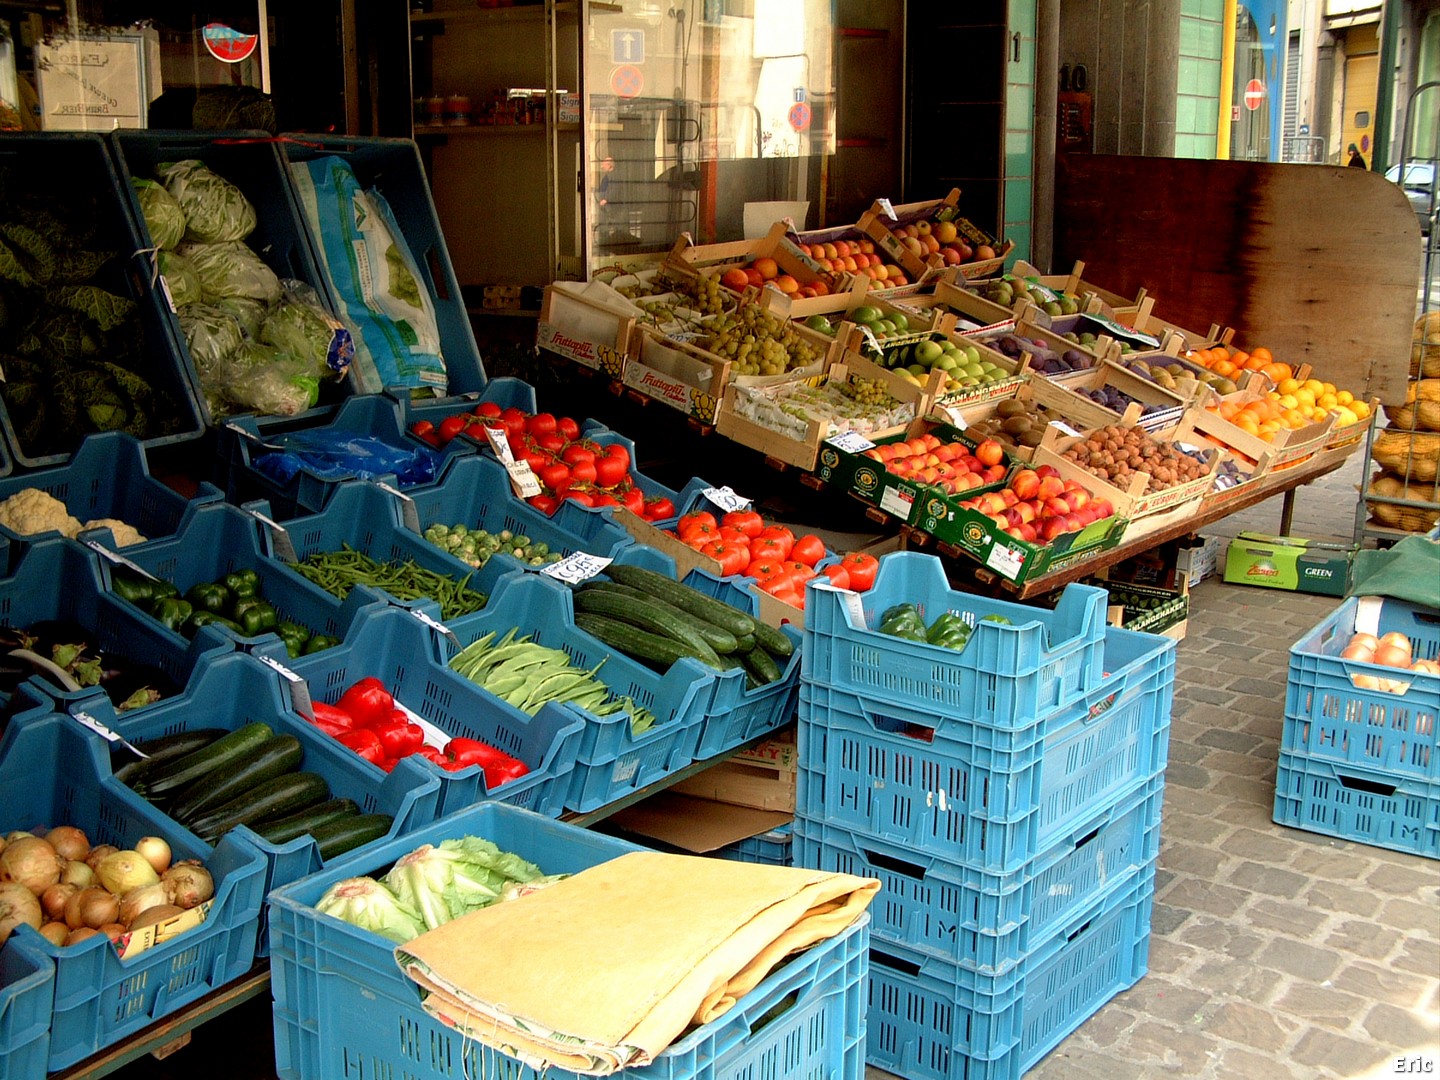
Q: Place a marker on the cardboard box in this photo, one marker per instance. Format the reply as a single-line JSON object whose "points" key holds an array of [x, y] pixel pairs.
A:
{"points": [[686, 823], [1151, 609], [1195, 564], [581, 328], [761, 778], [1291, 563]]}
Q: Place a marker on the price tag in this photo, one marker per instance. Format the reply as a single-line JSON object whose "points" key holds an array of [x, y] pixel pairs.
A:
{"points": [[889, 209], [726, 499], [433, 735], [299, 688], [408, 513], [951, 417], [1035, 285], [280, 543], [438, 627], [576, 568], [1005, 560], [897, 502], [854, 606], [499, 442], [118, 559], [852, 442], [1064, 428], [523, 479], [84, 719]]}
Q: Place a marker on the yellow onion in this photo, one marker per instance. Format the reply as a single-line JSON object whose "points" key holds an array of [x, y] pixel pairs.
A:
{"points": [[122, 871], [18, 906], [55, 933], [98, 853], [79, 934], [188, 884], [158, 914], [92, 907], [113, 930], [77, 873], [69, 842], [141, 899], [30, 861], [155, 851], [53, 900]]}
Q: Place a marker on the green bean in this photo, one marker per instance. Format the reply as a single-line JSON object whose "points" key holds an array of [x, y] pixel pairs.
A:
{"points": [[338, 572]]}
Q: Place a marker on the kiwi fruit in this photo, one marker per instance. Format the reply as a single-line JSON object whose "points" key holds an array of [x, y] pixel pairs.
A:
{"points": [[1010, 407], [1016, 425]]}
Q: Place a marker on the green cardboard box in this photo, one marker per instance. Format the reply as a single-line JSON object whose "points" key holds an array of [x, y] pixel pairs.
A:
{"points": [[1287, 562]]}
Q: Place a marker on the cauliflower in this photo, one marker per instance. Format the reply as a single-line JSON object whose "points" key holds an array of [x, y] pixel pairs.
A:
{"points": [[31, 511], [124, 533]]}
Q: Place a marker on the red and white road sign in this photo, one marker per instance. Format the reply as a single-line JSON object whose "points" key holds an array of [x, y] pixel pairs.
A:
{"points": [[1254, 94]]}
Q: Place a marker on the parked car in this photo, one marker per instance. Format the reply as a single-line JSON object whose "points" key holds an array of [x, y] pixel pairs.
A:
{"points": [[1419, 184]]}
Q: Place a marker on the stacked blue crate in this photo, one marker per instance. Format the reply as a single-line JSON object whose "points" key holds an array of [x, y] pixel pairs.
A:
{"points": [[1007, 795]]}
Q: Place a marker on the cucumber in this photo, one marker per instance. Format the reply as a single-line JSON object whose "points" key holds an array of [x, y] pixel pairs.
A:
{"points": [[161, 749], [717, 637], [633, 641], [338, 837], [773, 640], [171, 777], [646, 616], [271, 758], [284, 794], [759, 663], [279, 830], [683, 597]]}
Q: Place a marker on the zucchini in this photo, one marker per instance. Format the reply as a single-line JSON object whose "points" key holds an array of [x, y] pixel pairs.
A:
{"points": [[773, 640], [646, 616], [633, 641], [279, 830], [285, 794], [161, 749], [682, 596], [171, 777], [717, 637], [271, 758], [338, 837], [760, 664]]}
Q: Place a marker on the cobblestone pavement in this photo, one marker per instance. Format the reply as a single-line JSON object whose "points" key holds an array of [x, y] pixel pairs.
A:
{"points": [[1276, 953]]}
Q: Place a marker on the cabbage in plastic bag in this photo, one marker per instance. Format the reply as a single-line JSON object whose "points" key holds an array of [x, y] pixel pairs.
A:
{"points": [[250, 314], [232, 269], [306, 330], [215, 209], [263, 379], [212, 334], [163, 216], [181, 278]]}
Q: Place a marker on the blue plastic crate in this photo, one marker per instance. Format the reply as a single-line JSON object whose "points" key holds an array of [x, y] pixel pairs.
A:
{"points": [[393, 168], [476, 493], [774, 848], [929, 1020], [250, 161], [1006, 677], [53, 771], [610, 761], [737, 713], [109, 477], [972, 794], [1354, 803], [218, 540], [59, 579], [397, 649], [77, 166], [983, 921], [1328, 717], [332, 981], [230, 690], [27, 997]]}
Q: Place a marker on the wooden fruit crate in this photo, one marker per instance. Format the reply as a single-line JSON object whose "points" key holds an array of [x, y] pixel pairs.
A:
{"points": [[1127, 309], [882, 218], [588, 332], [1064, 399], [1290, 445], [714, 259]]}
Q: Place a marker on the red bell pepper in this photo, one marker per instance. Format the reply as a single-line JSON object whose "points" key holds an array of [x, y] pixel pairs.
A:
{"points": [[399, 735], [498, 766], [365, 743], [330, 719], [368, 702], [432, 754]]}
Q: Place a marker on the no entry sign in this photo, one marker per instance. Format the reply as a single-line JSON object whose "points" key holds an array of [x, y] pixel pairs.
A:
{"points": [[1254, 94]]}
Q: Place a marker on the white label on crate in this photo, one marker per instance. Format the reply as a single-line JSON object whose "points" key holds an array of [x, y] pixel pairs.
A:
{"points": [[852, 442], [726, 498], [1122, 331], [576, 568], [897, 502], [299, 688], [889, 209], [1036, 285], [523, 479], [499, 442], [854, 605], [1367, 615], [280, 669], [165, 292], [438, 627], [280, 543], [1064, 428], [118, 559], [408, 513], [433, 735], [1005, 560], [88, 721]]}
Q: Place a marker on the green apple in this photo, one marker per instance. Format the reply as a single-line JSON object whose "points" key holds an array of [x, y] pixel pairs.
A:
{"points": [[820, 323], [902, 324], [865, 314], [946, 362], [928, 352]]}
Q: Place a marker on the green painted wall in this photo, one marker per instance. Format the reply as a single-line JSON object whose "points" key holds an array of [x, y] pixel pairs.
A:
{"points": [[1020, 129], [1198, 83]]}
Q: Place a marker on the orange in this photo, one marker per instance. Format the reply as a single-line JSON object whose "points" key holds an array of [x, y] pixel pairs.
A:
{"points": [[1263, 353], [1223, 368]]}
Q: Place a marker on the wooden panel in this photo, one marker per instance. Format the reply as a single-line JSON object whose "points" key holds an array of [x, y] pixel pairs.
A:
{"points": [[1319, 263]]}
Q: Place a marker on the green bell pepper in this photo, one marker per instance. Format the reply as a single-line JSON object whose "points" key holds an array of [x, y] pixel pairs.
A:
{"points": [[902, 620], [209, 596], [172, 612], [132, 587], [255, 616], [949, 631], [209, 618], [242, 583], [294, 636], [162, 589], [320, 642]]}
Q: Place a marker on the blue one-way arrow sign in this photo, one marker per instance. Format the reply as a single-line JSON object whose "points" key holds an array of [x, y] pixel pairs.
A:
{"points": [[627, 46]]}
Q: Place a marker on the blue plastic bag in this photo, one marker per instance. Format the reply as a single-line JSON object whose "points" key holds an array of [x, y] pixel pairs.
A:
{"points": [[339, 455]]}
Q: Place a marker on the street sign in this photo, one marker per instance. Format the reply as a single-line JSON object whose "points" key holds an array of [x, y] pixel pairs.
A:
{"points": [[627, 81], [800, 116], [1254, 94], [627, 46]]}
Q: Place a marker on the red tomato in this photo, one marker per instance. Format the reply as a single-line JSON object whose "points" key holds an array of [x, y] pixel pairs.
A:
{"points": [[555, 475], [450, 427], [431, 438], [422, 428], [552, 441], [633, 499], [514, 420], [536, 459], [696, 517], [659, 508], [763, 570], [610, 471], [747, 521], [800, 572], [838, 575], [780, 533], [583, 472], [546, 504], [732, 535], [783, 589], [488, 410], [603, 498], [567, 427], [731, 557], [809, 549], [770, 547], [541, 424], [576, 452], [582, 497], [862, 569], [699, 535], [618, 451]]}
